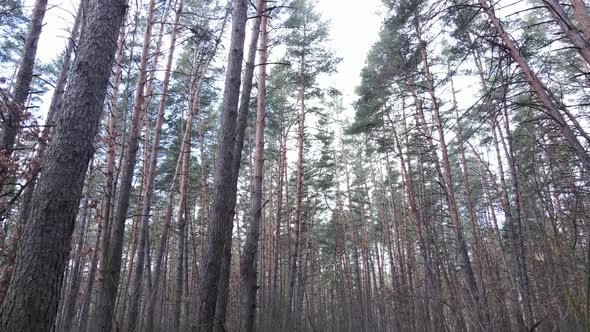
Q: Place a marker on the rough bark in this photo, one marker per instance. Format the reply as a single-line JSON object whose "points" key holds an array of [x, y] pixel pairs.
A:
{"points": [[104, 226], [27, 194], [242, 122], [222, 209], [31, 302]]}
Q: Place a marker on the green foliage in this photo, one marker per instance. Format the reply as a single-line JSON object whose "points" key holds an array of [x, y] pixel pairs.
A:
{"points": [[306, 41], [12, 31]]}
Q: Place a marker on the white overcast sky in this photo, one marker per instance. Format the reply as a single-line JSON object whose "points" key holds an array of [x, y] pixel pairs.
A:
{"points": [[354, 28]]}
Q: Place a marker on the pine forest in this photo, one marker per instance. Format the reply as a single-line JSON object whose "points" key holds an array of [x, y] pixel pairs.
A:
{"points": [[193, 165]]}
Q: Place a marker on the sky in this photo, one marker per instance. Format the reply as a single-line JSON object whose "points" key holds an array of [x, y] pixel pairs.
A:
{"points": [[354, 28], [57, 23]]}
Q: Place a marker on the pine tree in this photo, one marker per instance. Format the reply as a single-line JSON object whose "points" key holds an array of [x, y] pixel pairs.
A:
{"points": [[32, 304]]}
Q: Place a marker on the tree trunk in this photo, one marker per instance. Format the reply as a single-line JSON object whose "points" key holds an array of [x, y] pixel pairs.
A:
{"points": [[242, 122], [470, 207], [366, 256], [225, 172], [505, 203], [516, 228], [467, 270], [31, 302], [151, 305], [298, 194], [85, 304], [544, 95], [72, 295], [111, 256], [568, 28], [27, 195], [581, 15], [281, 170], [248, 261], [146, 209], [11, 124], [56, 103], [355, 250], [416, 217], [181, 216], [161, 254]]}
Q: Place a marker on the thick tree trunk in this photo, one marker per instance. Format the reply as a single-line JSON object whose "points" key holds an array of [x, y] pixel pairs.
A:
{"points": [[248, 261], [226, 170], [109, 187], [27, 195], [224, 279], [241, 124], [31, 302]]}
